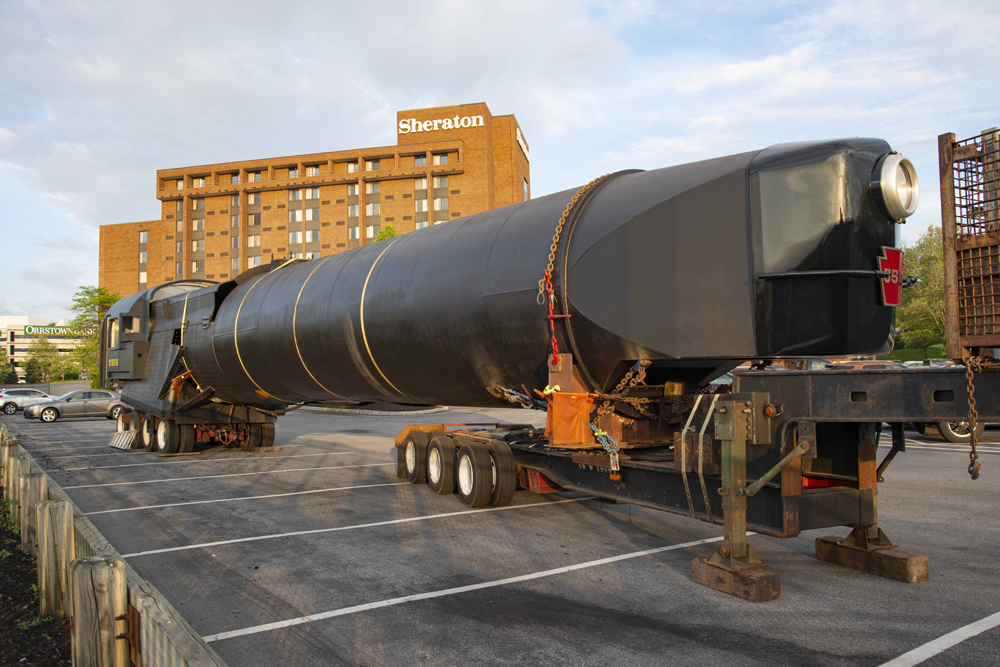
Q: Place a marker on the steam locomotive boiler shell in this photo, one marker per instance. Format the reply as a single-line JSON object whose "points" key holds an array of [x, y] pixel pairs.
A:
{"points": [[674, 265]]}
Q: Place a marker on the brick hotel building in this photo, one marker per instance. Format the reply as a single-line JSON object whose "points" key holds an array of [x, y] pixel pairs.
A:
{"points": [[220, 219]]}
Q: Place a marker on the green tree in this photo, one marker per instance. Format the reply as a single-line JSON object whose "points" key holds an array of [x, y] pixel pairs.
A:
{"points": [[32, 371], [7, 373], [386, 232], [48, 357], [921, 315], [90, 304]]}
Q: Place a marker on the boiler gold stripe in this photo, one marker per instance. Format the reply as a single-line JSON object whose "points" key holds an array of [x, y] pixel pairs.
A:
{"points": [[364, 336], [295, 336], [184, 319]]}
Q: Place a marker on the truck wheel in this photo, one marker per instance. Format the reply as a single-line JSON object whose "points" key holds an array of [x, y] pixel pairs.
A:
{"points": [[186, 437], [400, 461], [474, 475], [266, 435], [415, 447], [168, 437], [148, 433], [122, 422], [504, 471], [959, 432], [135, 420], [253, 438], [441, 465]]}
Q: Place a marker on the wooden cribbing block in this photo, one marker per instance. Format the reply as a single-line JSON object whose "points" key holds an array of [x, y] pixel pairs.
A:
{"points": [[54, 521], [99, 598], [755, 584], [34, 489], [892, 563]]}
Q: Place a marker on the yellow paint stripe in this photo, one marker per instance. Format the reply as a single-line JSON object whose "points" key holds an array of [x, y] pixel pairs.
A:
{"points": [[184, 318], [295, 336], [364, 336], [236, 340]]}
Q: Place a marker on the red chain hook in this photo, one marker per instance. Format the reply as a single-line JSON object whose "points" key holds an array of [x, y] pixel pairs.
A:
{"points": [[552, 319]]}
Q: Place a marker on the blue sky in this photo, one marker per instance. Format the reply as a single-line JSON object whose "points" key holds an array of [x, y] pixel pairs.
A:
{"points": [[95, 96]]}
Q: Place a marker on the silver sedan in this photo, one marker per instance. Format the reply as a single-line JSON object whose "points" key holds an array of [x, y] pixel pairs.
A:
{"points": [[84, 403]]}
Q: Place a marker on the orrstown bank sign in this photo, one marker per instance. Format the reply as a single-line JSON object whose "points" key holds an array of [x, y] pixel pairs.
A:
{"points": [[408, 125], [58, 331]]}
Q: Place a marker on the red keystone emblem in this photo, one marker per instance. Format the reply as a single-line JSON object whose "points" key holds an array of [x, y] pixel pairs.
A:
{"points": [[892, 284]]}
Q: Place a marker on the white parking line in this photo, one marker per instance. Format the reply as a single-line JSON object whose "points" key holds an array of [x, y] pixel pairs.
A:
{"points": [[230, 500], [344, 611], [217, 459], [374, 524], [116, 452], [944, 642], [960, 449], [232, 474]]}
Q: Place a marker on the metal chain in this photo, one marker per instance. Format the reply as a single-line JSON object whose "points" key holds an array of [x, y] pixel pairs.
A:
{"points": [[635, 376], [973, 363]]}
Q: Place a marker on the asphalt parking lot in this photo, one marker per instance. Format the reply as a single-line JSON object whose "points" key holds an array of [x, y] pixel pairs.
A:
{"points": [[318, 555]]}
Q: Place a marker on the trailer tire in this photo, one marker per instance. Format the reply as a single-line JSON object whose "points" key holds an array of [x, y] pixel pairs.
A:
{"points": [[400, 461], [958, 432], [122, 423], [186, 438], [474, 474], [168, 437], [505, 473], [415, 453], [135, 420], [434, 434], [441, 465], [147, 433], [266, 435]]}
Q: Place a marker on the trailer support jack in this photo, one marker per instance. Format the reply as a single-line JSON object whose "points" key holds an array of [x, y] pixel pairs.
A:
{"points": [[735, 568], [869, 550]]}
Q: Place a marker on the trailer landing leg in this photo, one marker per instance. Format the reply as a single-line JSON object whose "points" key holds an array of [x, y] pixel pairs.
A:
{"points": [[735, 568], [869, 550]]}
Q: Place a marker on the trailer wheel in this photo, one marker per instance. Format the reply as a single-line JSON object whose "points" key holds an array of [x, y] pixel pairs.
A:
{"points": [[474, 474], [148, 433], [252, 438], [135, 420], [185, 438], [504, 471], [122, 422], [441, 465], [266, 435], [959, 432], [168, 437], [434, 434], [415, 447], [400, 461]]}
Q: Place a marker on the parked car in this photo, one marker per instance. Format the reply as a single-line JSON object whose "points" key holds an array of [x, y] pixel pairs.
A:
{"points": [[12, 400], [85, 403], [869, 365]]}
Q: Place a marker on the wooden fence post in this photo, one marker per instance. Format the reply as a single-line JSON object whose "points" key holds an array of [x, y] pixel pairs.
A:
{"points": [[8, 448], [100, 603], [34, 489], [19, 465], [54, 521]]}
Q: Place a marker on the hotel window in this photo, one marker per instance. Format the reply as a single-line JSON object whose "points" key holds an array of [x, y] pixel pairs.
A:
{"points": [[143, 236], [253, 219], [372, 188], [198, 224], [373, 209], [352, 211], [419, 183], [440, 181], [525, 189], [421, 225], [253, 262], [253, 241], [420, 161], [352, 233], [236, 242], [440, 159], [142, 257], [312, 214], [234, 264], [234, 178], [253, 198], [197, 204], [178, 268], [234, 201], [234, 221], [296, 255], [373, 230], [294, 195], [198, 182], [293, 172], [253, 176], [198, 245], [295, 216], [179, 205], [440, 203], [312, 171], [352, 167], [420, 205], [180, 183], [312, 236], [198, 266], [142, 277], [180, 247], [294, 238], [312, 255], [180, 226], [372, 165], [352, 190], [312, 193]]}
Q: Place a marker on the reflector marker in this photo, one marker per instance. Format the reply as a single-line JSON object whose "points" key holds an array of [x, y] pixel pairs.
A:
{"points": [[295, 336], [364, 336]]}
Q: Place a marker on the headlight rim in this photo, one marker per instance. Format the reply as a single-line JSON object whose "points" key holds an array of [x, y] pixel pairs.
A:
{"points": [[884, 186]]}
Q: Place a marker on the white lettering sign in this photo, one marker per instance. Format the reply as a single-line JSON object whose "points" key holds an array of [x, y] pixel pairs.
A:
{"points": [[58, 331], [408, 125], [524, 146]]}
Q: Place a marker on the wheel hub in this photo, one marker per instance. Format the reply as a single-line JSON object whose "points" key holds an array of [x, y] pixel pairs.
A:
{"points": [[465, 475]]}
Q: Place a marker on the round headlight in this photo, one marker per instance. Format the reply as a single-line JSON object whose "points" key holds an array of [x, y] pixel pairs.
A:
{"points": [[895, 186]]}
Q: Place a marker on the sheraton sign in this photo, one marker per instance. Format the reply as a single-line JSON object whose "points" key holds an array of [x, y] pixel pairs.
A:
{"points": [[408, 125]]}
